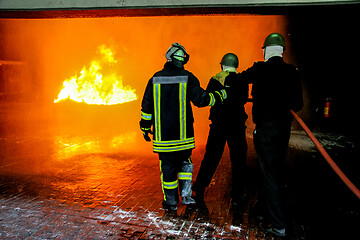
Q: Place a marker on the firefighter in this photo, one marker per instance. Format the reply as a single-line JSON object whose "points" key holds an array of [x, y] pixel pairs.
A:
{"points": [[227, 125], [276, 89], [166, 112]]}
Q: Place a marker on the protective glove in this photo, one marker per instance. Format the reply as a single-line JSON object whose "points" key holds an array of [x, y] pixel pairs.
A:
{"points": [[146, 136], [146, 133]]}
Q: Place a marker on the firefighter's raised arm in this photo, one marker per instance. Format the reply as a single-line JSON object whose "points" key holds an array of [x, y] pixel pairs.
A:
{"points": [[201, 98]]}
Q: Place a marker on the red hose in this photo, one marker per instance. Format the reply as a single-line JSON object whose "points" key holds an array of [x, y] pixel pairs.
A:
{"points": [[332, 164]]}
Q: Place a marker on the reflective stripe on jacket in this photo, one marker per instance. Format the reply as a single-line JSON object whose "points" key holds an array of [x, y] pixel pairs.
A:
{"points": [[166, 106]]}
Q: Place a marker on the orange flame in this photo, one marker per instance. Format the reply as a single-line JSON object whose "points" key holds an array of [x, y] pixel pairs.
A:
{"points": [[98, 84]]}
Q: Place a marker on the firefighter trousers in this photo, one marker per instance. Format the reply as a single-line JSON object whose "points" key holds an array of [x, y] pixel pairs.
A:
{"points": [[176, 174], [219, 134], [271, 142]]}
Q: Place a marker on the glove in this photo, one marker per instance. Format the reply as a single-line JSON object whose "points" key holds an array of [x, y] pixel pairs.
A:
{"points": [[146, 134]]}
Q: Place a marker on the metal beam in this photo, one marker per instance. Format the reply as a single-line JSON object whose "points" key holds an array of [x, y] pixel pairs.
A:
{"points": [[37, 9], [26, 5]]}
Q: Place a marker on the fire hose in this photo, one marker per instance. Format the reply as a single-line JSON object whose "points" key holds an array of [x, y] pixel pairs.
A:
{"points": [[329, 160]]}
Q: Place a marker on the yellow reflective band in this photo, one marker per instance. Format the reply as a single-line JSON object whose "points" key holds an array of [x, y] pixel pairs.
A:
{"points": [[162, 182], [220, 95], [212, 100], [157, 97], [185, 176], [175, 145], [170, 185], [173, 149], [223, 91], [174, 142], [146, 116], [182, 109]]}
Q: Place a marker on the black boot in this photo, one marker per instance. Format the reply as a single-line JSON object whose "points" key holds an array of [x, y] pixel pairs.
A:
{"points": [[169, 207]]}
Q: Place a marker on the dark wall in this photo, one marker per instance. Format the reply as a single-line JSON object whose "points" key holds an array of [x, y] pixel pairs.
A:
{"points": [[325, 43]]}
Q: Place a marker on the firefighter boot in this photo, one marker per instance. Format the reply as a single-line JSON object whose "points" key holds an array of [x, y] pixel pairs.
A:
{"points": [[188, 201], [168, 206]]}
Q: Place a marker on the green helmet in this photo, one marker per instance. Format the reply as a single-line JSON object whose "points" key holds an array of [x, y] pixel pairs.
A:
{"points": [[230, 59], [274, 39]]}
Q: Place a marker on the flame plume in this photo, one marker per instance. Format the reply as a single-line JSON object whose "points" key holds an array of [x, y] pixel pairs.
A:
{"points": [[98, 84]]}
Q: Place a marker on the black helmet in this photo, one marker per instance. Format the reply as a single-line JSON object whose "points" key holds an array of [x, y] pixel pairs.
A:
{"points": [[230, 59], [274, 39]]}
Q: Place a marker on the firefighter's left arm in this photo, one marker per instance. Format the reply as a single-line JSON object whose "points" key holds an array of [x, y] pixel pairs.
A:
{"points": [[147, 110], [249, 75]]}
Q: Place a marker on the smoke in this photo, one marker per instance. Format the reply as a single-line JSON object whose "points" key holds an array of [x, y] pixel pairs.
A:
{"points": [[55, 49]]}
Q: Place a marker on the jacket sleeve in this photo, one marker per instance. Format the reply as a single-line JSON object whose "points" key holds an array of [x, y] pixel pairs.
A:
{"points": [[198, 96], [249, 75], [215, 93], [147, 108]]}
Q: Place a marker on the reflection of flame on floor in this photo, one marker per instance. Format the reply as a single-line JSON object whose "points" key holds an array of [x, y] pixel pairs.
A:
{"points": [[99, 84], [67, 146]]}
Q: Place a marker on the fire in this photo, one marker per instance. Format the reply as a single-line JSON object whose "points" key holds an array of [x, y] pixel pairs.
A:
{"points": [[98, 84]]}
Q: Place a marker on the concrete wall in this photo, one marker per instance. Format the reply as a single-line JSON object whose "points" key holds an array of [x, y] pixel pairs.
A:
{"points": [[131, 4]]}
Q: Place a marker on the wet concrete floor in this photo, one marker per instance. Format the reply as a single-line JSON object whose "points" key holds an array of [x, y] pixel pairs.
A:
{"points": [[75, 185]]}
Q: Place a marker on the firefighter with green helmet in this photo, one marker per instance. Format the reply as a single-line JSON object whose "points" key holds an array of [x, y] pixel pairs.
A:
{"points": [[167, 114], [227, 126], [274, 39], [276, 89]]}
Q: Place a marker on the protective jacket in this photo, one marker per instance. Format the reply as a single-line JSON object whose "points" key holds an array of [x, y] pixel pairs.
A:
{"points": [[166, 106], [276, 89], [228, 126], [232, 110]]}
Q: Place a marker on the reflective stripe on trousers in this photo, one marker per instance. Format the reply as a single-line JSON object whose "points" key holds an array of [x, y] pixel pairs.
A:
{"points": [[176, 170]]}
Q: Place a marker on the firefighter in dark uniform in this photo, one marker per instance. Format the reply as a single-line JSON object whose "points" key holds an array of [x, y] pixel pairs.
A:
{"points": [[166, 107], [276, 89], [227, 125]]}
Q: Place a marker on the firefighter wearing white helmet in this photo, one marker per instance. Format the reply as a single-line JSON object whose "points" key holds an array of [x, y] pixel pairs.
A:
{"points": [[177, 55], [167, 114], [276, 89]]}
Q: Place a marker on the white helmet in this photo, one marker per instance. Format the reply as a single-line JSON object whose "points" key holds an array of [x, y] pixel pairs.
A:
{"points": [[177, 52]]}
